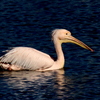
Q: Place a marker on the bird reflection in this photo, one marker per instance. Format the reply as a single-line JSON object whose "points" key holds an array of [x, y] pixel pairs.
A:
{"points": [[40, 83]]}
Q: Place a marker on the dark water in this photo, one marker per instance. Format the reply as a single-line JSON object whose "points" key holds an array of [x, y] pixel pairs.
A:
{"points": [[29, 23]]}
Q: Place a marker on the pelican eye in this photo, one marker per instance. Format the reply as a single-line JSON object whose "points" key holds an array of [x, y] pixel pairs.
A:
{"points": [[66, 33]]}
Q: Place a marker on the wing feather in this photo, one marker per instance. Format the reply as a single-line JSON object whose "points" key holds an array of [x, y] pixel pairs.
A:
{"points": [[27, 58]]}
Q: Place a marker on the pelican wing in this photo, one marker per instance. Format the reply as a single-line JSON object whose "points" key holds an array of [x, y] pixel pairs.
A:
{"points": [[27, 58]]}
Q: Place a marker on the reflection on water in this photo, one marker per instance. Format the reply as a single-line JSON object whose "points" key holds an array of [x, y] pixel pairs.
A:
{"points": [[37, 85], [52, 85]]}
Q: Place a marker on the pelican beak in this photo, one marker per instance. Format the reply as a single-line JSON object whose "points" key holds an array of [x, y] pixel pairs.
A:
{"points": [[71, 39]]}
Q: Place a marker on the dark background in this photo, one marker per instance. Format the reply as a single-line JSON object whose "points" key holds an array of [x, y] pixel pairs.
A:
{"points": [[29, 23]]}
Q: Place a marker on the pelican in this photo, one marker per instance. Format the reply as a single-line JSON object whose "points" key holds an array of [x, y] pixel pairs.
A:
{"points": [[26, 58]]}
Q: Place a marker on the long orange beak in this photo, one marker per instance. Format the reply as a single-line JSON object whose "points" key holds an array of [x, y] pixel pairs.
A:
{"points": [[78, 42]]}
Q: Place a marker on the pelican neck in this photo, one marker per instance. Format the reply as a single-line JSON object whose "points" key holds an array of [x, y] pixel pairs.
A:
{"points": [[59, 51]]}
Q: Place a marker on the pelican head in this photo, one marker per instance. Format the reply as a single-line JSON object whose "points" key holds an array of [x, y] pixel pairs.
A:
{"points": [[64, 36]]}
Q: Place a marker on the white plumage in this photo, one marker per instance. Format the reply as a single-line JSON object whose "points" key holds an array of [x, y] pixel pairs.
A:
{"points": [[25, 58]]}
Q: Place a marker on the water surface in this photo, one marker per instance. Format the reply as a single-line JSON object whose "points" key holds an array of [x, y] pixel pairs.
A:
{"points": [[29, 23]]}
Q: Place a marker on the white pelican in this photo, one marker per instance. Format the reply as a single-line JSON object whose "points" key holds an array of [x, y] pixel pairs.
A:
{"points": [[25, 58]]}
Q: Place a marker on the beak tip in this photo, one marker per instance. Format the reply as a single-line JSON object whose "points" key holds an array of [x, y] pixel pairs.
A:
{"points": [[92, 50]]}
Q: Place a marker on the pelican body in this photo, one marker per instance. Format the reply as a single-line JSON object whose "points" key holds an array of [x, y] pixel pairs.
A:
{"points": [[25, 58]]}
